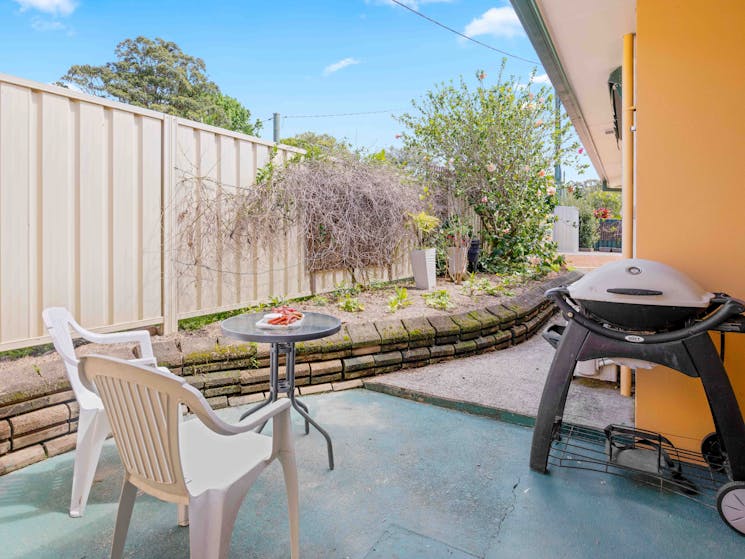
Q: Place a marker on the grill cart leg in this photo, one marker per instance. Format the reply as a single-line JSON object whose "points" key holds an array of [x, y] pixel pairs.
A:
{"points": [[551, 408], [724, 407]]}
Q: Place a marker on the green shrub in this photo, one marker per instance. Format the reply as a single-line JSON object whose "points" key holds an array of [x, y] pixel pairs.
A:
{"points": [[588, 228], [497, 145]]}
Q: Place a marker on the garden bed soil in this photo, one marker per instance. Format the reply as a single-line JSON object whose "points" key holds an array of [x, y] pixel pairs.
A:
{"points": [[375, 302]]}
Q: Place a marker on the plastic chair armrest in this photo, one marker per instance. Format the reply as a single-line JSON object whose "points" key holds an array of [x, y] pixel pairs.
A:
{"points": [[199, 406], [263, 415], [141, 337]]}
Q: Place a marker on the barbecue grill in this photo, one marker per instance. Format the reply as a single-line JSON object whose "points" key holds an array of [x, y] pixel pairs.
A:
{"points": [[645, 311]]}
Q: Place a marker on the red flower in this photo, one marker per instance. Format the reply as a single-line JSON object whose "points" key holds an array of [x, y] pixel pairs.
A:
{"points": [[602, 213]]}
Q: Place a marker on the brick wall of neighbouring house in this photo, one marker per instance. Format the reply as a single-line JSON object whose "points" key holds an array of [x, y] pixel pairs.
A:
{"points": [[38, 413]]}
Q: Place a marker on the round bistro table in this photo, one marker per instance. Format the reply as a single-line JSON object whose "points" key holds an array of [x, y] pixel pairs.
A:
{"points": [[282, 341]]}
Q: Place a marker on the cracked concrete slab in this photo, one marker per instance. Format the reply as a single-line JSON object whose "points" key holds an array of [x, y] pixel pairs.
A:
{"points": [[431, 479]]}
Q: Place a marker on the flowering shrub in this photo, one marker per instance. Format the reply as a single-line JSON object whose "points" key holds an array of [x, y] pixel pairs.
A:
{"points": [[602, 213], [497, 144]]}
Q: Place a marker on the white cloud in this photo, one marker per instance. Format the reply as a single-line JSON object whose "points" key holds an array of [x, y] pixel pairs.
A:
{"points": [[500, 22], [54, 7], [540, 79], [39, 24], [336, 66]]}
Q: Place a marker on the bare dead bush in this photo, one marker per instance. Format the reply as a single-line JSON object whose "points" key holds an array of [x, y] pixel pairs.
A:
{"points": [[351, 212]]}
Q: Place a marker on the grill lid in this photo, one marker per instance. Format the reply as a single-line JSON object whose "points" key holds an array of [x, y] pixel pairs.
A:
{"points": [[640, 282]]}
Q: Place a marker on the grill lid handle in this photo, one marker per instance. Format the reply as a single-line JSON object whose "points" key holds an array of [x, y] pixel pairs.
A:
{"points": [[633, 291], [729, 307]]}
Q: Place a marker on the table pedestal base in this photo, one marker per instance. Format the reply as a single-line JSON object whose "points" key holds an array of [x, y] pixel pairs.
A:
{"points": [[279, 386]]}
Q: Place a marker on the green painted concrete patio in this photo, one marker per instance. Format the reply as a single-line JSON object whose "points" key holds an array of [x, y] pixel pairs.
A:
{"points": [[412, 481]]}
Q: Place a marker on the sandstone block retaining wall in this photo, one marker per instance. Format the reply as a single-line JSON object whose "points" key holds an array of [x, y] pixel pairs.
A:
{"points": [[39, 414]]}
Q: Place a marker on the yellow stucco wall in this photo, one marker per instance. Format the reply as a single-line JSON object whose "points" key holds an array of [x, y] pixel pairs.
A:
{"points": [[690, 198]]}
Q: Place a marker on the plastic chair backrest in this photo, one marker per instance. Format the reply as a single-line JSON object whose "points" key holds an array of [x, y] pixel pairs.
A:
{"points": [[142, 404], [58, 321]]}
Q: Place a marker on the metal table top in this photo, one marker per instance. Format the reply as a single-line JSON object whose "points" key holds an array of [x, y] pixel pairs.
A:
{"points": [[314, 326]]}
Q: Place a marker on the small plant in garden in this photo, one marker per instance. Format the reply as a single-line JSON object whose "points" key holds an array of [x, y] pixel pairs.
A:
{"points": [[378, 284], [399, 300], [350, 304], [438, 299], [320, 301], [503, 289], [495, 290], [471, 285], [343, 289], [277, 301]]}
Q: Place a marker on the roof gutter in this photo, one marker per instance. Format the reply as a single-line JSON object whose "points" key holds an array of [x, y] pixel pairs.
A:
{"points": [[535, 27]]}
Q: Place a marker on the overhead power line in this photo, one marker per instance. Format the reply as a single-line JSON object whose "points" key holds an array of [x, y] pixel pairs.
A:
{"points": [[343, 114], [412, 10]]}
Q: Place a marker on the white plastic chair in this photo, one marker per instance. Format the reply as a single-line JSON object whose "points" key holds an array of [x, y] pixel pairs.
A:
{"points": [[204, 462], [93, 425]]}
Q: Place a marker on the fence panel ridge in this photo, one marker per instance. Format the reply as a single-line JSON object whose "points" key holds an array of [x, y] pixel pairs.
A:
{"points": [[80, 210]]}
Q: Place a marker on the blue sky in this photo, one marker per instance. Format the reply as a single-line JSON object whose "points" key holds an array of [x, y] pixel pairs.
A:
{"points": [[295, 57]]}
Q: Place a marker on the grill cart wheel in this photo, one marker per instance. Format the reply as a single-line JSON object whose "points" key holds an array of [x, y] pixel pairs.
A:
{"points": [[713, 453], [731, 505]]}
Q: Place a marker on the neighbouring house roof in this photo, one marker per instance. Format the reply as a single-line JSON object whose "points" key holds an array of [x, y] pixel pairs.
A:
{"points": [[580, 43]]}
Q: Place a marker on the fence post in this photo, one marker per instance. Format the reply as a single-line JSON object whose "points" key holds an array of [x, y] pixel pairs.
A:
{"points": [[168, 229]]}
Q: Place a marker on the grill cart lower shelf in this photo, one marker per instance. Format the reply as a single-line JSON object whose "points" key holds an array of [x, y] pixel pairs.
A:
{"points": [[648, 458]]}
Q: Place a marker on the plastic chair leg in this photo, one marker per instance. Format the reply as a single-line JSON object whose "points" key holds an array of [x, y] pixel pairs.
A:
{"points": [[289, 468], [123, 516], [183, 515], [212, 516], [286, 455], [93, 428]]}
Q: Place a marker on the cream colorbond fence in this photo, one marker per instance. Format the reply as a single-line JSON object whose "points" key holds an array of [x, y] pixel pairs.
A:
{"points": [[80, 207], [89, 201]]}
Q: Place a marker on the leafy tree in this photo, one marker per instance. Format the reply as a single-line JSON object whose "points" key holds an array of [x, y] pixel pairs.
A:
{"points": [[158, 75], [319, 146], [496, 147], [231, 114]]}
